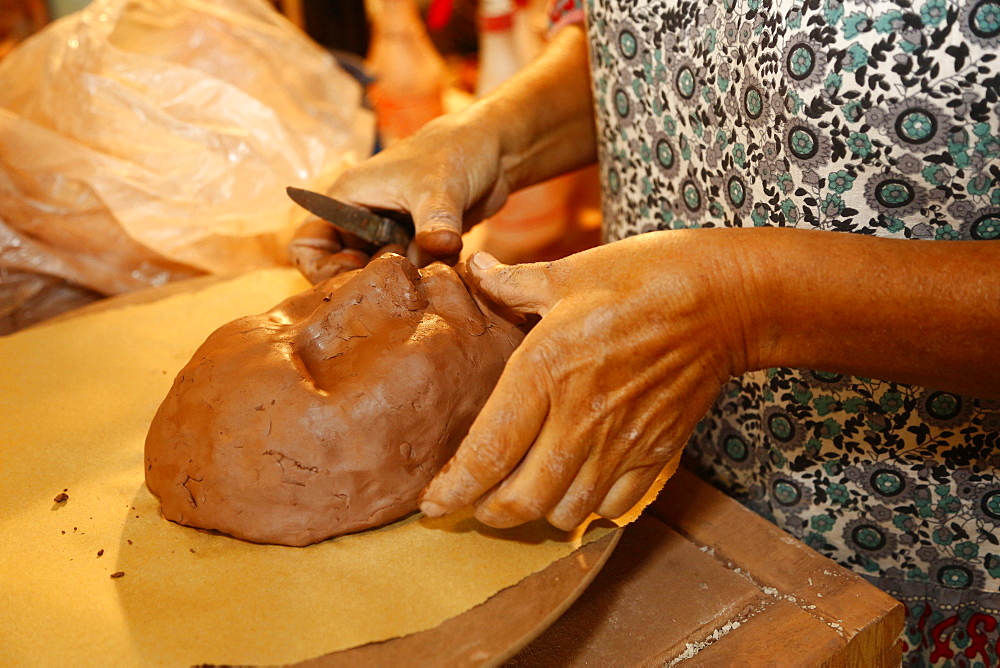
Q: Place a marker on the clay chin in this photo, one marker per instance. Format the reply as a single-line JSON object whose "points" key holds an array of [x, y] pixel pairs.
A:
{"points": [[331, 412]]}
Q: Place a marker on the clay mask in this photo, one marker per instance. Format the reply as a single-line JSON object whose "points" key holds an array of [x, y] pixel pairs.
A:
{"points": [[331, 412]]}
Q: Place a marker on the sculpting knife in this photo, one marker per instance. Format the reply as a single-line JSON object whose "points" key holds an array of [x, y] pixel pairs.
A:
{"points": [[376, 229]]}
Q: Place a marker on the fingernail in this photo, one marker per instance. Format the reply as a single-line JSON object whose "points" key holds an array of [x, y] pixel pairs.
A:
{"points": [[483, 261], [439, 241], [431, 509]]}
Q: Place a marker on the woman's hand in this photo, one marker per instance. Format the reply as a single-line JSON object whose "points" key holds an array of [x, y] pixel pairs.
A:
{"points": [[461, 167], [635, 342], [447, 176], [637, 337]]}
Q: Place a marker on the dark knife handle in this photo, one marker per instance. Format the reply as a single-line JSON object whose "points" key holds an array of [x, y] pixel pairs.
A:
{"points": [[395, 231], [375, 228]]}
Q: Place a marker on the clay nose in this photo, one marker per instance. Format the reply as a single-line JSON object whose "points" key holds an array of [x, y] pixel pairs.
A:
{"points": [[394, 283], [388, 286]]}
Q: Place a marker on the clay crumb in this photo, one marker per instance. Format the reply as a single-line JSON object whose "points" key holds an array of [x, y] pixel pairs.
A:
{"points": [[100, 553], [62, 497], [117, 574], [692, 648]]}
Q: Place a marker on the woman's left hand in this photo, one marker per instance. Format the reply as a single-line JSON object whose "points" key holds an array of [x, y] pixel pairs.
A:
{"points": [[635, 341]]}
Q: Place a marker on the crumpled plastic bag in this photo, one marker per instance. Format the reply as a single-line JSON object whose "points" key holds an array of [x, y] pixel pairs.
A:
{"points": [[143, 141]]}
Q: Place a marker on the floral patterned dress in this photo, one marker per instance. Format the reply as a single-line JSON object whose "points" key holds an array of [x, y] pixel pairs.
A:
{"points": [[876, 117]]}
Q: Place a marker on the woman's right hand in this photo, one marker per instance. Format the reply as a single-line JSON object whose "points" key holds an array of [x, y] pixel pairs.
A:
{"points": [[447, 176], [460, 168]]}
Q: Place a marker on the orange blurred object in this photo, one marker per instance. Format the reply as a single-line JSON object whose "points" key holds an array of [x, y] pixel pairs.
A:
{"points": [[408, 72], [293, 9], [537, 216], [18, 20], [144, 142]]}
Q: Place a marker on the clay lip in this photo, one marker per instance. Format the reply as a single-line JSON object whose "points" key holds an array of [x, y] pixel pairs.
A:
{"points": [[463, 291], [453, 283]]}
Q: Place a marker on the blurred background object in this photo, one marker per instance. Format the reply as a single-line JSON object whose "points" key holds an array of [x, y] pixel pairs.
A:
{"points": [[18, 20], [60, 8], [408, 73], [293, 9], [145, 142], [538, 216], [341, 26]]}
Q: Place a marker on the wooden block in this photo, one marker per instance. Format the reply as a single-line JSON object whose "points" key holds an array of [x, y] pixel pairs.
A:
{"points": [[867, 618], [657, 593], [892, 657]]}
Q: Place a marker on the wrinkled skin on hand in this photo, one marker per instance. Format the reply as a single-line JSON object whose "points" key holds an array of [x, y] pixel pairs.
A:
{"points": [[635, 342], [460, 168], [434, 175]]}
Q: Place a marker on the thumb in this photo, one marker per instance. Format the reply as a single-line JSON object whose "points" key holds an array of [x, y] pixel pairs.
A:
{"points": [[525, 288], [437, 221]]}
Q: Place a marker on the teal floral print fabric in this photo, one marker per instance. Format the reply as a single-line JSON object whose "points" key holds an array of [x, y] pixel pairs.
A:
{"points": [[876, 117]]}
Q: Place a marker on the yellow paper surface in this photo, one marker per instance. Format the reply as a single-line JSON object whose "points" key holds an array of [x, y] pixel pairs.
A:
{"points": [[76, 399]]}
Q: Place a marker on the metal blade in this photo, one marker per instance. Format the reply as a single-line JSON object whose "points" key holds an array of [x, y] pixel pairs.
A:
{"points": [[373, 228]]}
